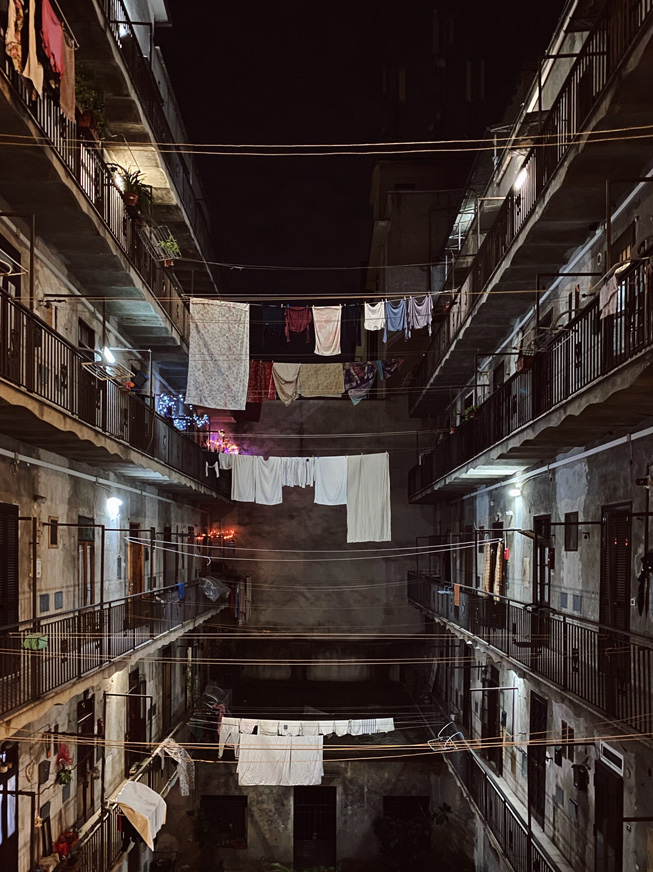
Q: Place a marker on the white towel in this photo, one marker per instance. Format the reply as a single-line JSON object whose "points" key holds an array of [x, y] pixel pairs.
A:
{"points": [[269, 481], [290, 728], [326, 728], [243, 481], [355, 728], [368, 498], [375, 316], [263, 759], [247, 725], [341, 728], [385, 725], [327, 321], [268, 728], [226, 461], [331, 481], [310, 728], [369, 726], [306, 760]]}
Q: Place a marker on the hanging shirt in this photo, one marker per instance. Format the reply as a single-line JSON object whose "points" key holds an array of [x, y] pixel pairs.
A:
{"points": [[420, 314], [285, 377], [395, 318], [328, 323], [13, 35], [274, 324], [331, 481], [351, 325], [269, 481], [33, 69], [52, 38], [609, 297], [298, 320], [375, 316]]}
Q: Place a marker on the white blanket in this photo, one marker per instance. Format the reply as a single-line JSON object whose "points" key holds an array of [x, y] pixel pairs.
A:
{"points": [[144, 809], [331, 481], [368, 498]]}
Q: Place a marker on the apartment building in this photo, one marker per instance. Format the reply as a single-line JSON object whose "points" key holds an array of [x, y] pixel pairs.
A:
{"points": [[103, 497], [539, 376]]}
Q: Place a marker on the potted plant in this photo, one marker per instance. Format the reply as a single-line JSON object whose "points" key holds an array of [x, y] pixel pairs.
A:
{"points": [[89, 96], [170, 249], [134, 190], [470, 412], [64, 774]]}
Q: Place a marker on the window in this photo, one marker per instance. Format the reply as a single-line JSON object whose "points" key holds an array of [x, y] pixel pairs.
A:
{"points": [[225, 818], [53, 532], [571, 531], [568, 736]]}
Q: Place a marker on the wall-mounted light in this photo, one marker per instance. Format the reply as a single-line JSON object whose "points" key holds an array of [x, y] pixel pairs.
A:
{"points": [[520, 181], [108, 355], [113, 507], [514, 491]]}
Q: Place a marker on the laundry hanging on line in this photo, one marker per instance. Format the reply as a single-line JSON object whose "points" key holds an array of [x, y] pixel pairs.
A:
{"points": [[280, 760]]}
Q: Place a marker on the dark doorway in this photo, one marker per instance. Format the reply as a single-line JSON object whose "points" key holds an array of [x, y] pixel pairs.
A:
{"points": [[136, 612], [86, 561], [608, 808], [136, 720], [9, 807], [8, 564], [314, 827], [614, 604], [85, 759], [166, 690], [537, 757], [491, 720]]}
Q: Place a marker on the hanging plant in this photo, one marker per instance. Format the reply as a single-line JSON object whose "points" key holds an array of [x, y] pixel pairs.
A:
{"points": [[64, 775]]}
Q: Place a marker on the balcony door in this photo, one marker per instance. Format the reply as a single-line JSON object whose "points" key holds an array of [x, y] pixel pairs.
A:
{"points": [[614, 603], [491, 720], [608, 826], [136, 728], [537, 757], [8, 564], [86, 562], [85, 759]]}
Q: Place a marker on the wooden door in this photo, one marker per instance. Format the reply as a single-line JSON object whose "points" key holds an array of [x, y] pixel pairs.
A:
{"points": [[85, 759], [614, 604]]}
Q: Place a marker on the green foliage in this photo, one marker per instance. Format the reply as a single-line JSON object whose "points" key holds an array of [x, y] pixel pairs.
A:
{"points": [[89, 96], [169, 247], [64, 775]]}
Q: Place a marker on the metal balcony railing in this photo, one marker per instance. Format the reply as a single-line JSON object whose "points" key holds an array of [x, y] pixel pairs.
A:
{"points": [[85, 163], [582, 352], [81, 641], [609, 42], [34, 357], [610, 670], [140, 70]]}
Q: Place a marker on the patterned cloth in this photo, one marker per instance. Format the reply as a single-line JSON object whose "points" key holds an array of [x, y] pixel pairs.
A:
{"points": [[609, 297], [298, 320], [218, 366], [359, 378], [67, 85], [13, 36], [321, 380], [33, 69], [260, 385]]}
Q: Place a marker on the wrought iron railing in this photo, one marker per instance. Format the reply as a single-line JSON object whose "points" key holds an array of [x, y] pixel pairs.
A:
{"points": [[501, 818], [612, 37], [610, 670], [34, 357], [588, 348], [140, 70], [85, 163], [37, 657]]}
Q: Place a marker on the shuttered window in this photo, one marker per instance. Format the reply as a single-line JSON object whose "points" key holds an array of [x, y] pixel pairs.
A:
{"points": [[615, 566], [8, 564]]}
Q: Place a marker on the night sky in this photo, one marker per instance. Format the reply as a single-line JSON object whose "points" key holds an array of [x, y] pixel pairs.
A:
{"points": [[310, 73]]}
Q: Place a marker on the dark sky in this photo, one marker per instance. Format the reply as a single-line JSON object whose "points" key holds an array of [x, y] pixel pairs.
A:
{"points": [[290, 72]]}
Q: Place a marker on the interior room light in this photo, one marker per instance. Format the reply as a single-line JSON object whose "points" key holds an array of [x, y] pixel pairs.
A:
{"points": [[108, 355], [522, 175], [113, 507], [515, 491]]}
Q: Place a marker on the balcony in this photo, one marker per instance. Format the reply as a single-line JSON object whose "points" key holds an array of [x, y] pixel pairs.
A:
{"points": [[78, 209], [610, 671], [122, 54], [552, 404], [79, 642], [563, 192], [50, 399]]}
